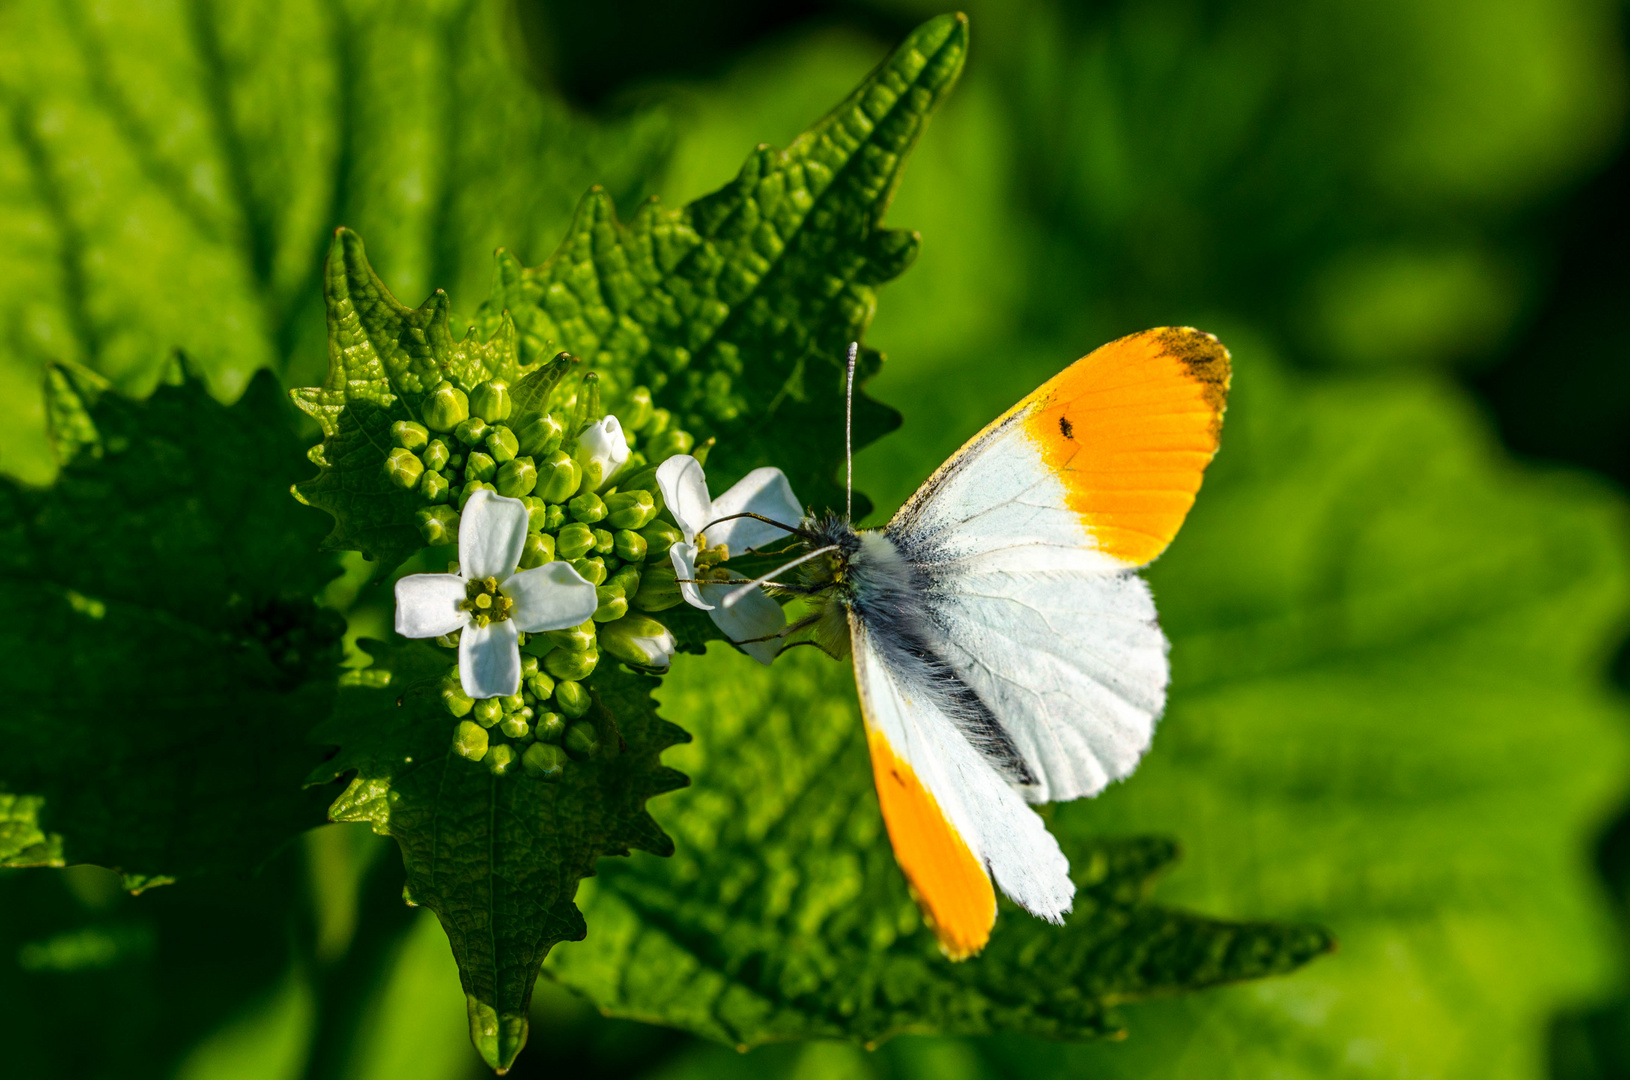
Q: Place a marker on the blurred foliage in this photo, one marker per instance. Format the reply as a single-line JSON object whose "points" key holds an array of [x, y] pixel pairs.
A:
{"points": [[165, 657], [1417, 746]]}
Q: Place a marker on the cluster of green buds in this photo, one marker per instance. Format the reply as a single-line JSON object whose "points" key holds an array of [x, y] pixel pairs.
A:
{"points": [[537, 729], [602, 514]]}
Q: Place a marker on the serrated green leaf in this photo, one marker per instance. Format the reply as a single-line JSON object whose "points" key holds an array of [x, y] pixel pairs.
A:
{"points": [[384, 358], [737, 309], [783, 914], [164, 656], [497, 858]]}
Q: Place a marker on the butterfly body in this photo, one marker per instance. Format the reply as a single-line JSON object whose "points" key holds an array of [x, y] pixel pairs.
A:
{"points": [[1005, 648]]}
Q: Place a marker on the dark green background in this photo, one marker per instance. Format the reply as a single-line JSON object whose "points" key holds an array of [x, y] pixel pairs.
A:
{"points": [[1369, 192]]}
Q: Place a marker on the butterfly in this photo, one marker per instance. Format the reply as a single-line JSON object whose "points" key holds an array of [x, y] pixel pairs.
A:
{"points": [[1005, 649]]}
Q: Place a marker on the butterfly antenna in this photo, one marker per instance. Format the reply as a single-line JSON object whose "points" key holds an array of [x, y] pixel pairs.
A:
{"points": [[731, 597], [849, 432]]}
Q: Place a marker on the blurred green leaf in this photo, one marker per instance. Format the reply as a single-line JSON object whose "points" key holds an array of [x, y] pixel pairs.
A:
{"points": [[214, 147], [737, 309], [164, 654], [498, 859]]}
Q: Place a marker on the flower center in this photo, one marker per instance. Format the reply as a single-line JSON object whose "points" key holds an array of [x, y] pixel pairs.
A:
{"points": [[485, 603]]}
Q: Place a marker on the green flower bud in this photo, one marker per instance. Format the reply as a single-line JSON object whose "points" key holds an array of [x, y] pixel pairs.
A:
{"points": [[642, 480], [661, 420], [403, 468], [604, 541], [570, 666], [541, 434], [629, 545], [571, 639], [512, 703], [668, 444], [539, 682], [479, 466], [545, 761], [488, 712], [613, 605], [574, 541], [592, 569], [471, 431], [537, 513], [659, 588], [626, 581], [434, 455], [556, 517], [446, 408], [529, 665], [587, 507], [491, 401], [434, 487], [517, 477], [457, 701], [537, 550], [634, 466], [558, 476], [549, 727], [501, 444], [700, 450], [581, 740], [515, 727], [612, 564], [630, 509], [659, 537], [573, 699], [470, 489], [639, 641], [501, 758], [470, 740], [409, 435], [438, 525], [636, 411], [455, 461]]}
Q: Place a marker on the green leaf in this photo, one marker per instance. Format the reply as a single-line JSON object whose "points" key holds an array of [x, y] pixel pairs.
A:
{"points": [[497, 858], [783, 914], [164, 656], [384, 358], [214, 147], [737, 309]]}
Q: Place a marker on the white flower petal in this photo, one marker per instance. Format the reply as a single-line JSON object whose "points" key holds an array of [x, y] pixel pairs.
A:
{"points": [[683, 556], [427, 605], [603, 444], [763, 491], [684, 491], [489, 659], [755, 615], [550, 597], [491, 533]]}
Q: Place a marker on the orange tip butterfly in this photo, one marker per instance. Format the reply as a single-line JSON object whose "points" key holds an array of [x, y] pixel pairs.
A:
{"points": [[1005, 648]]}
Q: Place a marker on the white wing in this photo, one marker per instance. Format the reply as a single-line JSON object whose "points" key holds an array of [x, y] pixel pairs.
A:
{"points": [[953, 820], [1027, 542]]}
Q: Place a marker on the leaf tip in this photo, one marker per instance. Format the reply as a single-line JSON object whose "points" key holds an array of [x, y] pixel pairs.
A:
{"points": [[497, 1037]]}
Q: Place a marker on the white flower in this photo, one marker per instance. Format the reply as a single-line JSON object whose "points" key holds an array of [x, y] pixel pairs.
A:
{"points": [[488, 600], [602, 447], [762, 491]]}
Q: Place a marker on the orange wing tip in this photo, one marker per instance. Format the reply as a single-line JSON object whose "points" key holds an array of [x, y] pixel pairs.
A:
{"points": [[1129, 429], [949, 883]]}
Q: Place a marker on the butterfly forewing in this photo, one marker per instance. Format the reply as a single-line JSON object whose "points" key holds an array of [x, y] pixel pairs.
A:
{"points": [[1028, 537]]}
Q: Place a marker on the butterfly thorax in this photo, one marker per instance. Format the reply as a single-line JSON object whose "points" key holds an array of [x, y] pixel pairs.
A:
{"points": [[864, 573]]}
